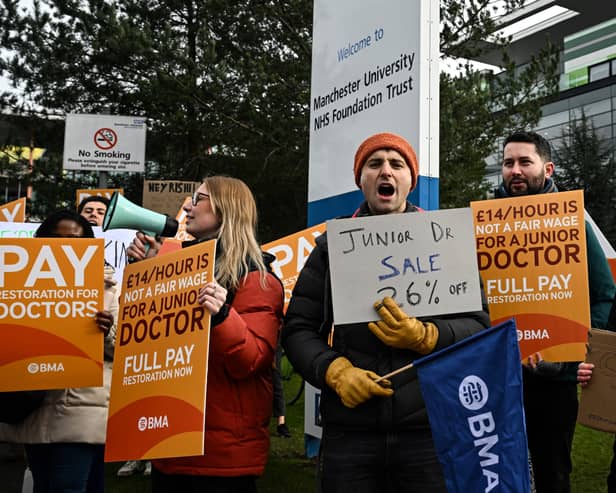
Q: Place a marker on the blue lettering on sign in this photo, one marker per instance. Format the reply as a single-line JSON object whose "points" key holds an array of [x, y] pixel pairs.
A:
{"points": [[416, 265], [353, 48], [365, 42]]}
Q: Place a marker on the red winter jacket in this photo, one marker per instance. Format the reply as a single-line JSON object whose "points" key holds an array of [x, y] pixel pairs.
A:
{"points": [[239, 385]]}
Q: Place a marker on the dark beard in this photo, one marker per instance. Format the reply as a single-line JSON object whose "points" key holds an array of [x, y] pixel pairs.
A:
{"points": [[533, 187]]}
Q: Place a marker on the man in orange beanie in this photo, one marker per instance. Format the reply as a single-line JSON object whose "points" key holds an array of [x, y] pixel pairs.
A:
{"points": [[376, 434]]}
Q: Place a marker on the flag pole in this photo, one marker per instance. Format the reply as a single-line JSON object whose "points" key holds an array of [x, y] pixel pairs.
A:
{"points": [[395, 372]]}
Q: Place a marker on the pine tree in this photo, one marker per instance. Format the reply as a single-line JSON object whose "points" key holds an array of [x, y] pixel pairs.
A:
{"points": [[225, 87], [584, 162]]}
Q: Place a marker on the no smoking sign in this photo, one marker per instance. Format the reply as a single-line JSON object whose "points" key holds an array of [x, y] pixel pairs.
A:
{"points": [[104, 143], [105, 138]]}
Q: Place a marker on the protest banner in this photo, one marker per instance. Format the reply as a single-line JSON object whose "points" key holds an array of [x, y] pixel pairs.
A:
{"points": [[83, 193], [116, 242], [17, 230], [158, 392], [166, 196], [424, 261], [531, 253], [291, 253], [50, 291], [14, 211], [473, 395]]}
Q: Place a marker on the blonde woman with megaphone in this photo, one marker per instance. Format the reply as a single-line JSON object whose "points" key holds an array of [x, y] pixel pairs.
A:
{"points": [[245, 301]]}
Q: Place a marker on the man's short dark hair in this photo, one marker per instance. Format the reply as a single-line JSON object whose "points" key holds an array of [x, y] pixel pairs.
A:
{"points": [[92, 198], [542, 146]]}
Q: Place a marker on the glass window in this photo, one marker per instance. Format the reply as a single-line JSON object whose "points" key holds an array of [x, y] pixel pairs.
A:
{"points": [[555, 131], [597, 107], [600, 71], [557, 144], [602, 119], [554, 119], [604, 132], [613, 62], [558, 106], [590, 97]]}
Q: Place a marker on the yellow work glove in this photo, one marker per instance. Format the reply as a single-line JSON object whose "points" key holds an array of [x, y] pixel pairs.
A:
{"points": [[399, 330], [354, 385]]}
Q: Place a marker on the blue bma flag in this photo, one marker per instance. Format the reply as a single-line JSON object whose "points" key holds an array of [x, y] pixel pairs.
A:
{"points": [[473, 394]]}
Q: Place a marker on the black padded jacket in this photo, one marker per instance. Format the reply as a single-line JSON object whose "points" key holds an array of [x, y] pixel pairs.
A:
{"points": [[305, 340]]}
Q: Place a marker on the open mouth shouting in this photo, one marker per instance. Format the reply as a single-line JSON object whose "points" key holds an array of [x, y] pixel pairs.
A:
{"points": [[386, 190]]}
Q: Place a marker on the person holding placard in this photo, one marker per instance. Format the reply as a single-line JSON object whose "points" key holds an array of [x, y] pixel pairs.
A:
{"points": [[376, 434], [65, 437], [245, 302], [550, 393]]}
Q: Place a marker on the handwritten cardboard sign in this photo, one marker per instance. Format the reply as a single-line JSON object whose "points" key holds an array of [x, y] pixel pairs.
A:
{"points": [[166, 196], [598, 399], [425, 261], [531, 254], [291, 253], [50, 291], [158, 392]]}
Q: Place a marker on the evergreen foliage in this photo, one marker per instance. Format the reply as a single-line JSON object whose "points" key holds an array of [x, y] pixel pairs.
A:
{"points": [[225, 87], [584, 162]]}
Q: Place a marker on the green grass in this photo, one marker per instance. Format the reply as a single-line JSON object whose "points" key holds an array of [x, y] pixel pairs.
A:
{"points": [[592, 454], [288, 471]]}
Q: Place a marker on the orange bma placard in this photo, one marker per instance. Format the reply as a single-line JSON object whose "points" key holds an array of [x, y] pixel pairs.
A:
{"points": [[14, 212], [531, 253], [84, 193], [158, 390], [50, 291], [291, 253]]}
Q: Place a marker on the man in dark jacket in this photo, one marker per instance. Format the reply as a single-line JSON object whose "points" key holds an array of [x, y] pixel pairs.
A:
{"points": [[376, 435], [550, 394]]}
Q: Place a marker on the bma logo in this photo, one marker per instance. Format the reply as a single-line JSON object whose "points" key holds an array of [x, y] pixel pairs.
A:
{"points": [[473, 393], [45, 367], [152, 422]]}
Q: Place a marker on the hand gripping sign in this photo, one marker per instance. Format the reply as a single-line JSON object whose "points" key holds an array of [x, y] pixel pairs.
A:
{"points": [[50, 290]]}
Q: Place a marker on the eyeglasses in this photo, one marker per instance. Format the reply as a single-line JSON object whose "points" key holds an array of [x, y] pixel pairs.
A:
{"points": [[197, 196]]}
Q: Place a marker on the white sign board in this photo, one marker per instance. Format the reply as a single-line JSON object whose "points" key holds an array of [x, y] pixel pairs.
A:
{"points": [[104, 143], [374, 69], [426, 261]]}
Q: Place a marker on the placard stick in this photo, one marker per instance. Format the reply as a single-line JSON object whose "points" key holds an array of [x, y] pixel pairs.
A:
{"points": [[395, 372]]}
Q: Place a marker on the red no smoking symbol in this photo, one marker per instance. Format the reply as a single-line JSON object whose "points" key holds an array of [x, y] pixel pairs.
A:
{"points": [[105, 138]]}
